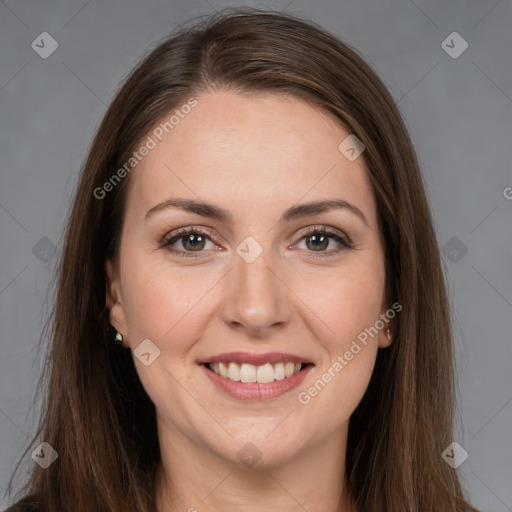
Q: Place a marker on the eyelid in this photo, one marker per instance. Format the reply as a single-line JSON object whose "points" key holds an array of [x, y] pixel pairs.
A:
{"points": [[176, 234], [211, 232], [323, 229], [344, 240]]}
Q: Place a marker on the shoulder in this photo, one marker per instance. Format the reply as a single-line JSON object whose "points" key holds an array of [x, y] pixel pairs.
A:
{"points": [[27, 504]]}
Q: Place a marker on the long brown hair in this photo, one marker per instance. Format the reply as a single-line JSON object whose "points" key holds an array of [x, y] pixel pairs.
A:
{"points": [[96, 414]]}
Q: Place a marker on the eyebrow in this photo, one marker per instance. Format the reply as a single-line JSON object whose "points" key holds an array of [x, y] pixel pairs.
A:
{"points": [[218, 213]]}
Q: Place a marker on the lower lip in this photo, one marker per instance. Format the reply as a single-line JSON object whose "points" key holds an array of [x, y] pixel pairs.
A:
{"points": [[255, 391]]}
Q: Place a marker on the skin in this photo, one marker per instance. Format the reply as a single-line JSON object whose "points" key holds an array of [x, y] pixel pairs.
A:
{"points": [[255, 156]]}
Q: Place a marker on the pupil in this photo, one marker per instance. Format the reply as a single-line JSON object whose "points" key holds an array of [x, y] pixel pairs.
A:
{"points": [[194, 240], [320, 240]]}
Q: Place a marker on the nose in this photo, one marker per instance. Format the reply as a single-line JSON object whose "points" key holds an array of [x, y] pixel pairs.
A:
{"points": [[255, 300]]}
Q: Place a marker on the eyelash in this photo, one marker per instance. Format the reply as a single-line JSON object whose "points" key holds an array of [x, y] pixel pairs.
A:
{"points": [[167, 241]]}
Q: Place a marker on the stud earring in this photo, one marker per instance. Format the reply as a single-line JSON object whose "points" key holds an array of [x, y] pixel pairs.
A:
{"points": [[118, 339]]}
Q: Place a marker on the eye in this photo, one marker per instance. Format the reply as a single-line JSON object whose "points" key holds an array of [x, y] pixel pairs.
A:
{"points": [[318, 239], [192, 240]]}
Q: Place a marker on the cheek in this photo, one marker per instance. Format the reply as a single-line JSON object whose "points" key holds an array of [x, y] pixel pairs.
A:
{"points": [[164, 303], [349, 353], [347, 302], [347, 307]]}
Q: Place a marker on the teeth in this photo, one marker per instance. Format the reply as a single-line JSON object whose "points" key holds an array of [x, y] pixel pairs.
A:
{"points": [[249, 373], [223, 369], [289, 368], [279, 373], [265, 373], [233, 371]]}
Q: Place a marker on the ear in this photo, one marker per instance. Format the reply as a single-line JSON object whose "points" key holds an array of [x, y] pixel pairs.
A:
{"points": [[114, 299], [385, 338]]}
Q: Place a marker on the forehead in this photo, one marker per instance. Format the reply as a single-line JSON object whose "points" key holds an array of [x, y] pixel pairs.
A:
{"points": [[250, 153]]}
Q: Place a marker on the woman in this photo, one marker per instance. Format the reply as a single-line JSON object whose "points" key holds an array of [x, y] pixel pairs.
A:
{"points": [[251, 309]]}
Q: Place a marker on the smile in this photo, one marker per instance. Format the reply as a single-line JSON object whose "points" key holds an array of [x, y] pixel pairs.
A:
{"points": [[248, 373], [256, 377]]}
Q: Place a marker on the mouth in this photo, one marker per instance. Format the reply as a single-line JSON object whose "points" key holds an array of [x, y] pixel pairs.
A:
{"points": [[262, 374], [256, 376]]}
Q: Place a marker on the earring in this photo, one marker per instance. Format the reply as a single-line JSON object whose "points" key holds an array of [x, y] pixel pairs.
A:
{"points": [[389, 334], [118, 339]]}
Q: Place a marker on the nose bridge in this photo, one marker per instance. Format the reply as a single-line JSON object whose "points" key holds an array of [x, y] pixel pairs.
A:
{"points": [[255, 298]]}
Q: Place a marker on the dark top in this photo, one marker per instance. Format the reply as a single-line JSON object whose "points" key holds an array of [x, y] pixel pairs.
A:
{"points": [[27, 504]]}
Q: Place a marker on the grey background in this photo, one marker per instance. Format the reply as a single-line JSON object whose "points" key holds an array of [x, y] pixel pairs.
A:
{"points": [[458, 110]]}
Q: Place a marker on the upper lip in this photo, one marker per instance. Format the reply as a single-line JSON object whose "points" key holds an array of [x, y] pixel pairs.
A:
{"points": [[255, 359]]}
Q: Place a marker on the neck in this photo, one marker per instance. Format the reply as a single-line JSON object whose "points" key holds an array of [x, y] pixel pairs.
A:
{"points": [[194, 479]]}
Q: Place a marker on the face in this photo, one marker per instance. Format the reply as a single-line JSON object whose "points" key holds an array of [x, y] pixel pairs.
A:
{"points": [[252, 281]]}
